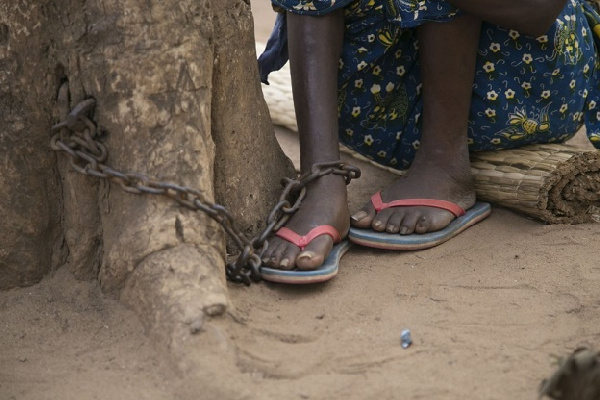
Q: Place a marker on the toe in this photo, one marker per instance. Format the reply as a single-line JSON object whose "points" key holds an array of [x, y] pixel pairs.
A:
{"points": [[288, 257], [423, 224], [272, 257], [380, 222], [364, 217], [409, 222], [314, 253], [440, 220], [393, 225]]}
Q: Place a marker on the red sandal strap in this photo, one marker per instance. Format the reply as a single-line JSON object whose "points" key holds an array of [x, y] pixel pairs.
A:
{"points": [[303, 241], [443, 204]]}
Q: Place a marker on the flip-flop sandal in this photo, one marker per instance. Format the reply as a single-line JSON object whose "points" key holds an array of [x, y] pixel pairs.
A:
{"points": [[419, 241], [326, 271]]}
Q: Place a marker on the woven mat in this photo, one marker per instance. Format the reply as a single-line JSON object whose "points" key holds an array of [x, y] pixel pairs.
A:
{"points": [[555, 183]]}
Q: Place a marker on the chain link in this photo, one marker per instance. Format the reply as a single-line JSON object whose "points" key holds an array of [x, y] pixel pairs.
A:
{"points": [[77, 136]]}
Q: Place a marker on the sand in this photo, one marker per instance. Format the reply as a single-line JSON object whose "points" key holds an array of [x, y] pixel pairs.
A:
{"points": [[488, 312]]}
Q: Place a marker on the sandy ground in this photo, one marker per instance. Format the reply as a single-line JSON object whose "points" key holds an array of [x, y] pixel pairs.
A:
{"points": [[488, 312]]}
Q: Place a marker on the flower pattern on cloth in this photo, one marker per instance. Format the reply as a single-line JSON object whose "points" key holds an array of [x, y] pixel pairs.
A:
{"points": [[526, 90]]}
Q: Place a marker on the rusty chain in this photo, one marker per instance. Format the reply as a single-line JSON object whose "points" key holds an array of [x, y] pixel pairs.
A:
{"points": [[77, 135]]}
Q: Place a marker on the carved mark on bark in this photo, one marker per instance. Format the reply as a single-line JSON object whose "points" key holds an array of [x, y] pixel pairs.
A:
{"points": [[171, 99], [4, 34]]}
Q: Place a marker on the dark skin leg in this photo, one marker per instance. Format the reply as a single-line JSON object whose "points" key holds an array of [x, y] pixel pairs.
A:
{"points": [[442, 160], [441, 168], [315, 45]]}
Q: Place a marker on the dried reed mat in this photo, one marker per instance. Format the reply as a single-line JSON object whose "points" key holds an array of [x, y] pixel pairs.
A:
{"points": [[555, 183]]}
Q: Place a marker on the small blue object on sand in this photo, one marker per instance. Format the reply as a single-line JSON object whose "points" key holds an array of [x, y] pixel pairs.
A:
{"points": [[405, 339], [328, 270]]}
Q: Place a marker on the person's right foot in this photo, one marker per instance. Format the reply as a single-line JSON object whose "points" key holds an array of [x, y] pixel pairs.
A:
{"points": [[326, 203]]}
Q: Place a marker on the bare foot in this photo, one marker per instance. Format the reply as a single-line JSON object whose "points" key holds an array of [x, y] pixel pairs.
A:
{"points": [[429, 177], [326, 203]]}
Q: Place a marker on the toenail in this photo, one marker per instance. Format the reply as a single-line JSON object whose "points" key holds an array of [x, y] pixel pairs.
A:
{"points": [[377, 224], [390, 228], [358, 216], [284, 263], [307, 255], [404, 230]]}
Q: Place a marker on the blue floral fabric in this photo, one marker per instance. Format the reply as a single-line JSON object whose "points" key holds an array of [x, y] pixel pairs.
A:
{"points": [[527, 90]]}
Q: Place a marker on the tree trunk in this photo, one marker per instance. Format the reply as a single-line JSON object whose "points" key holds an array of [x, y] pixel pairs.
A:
{"points": [[177, 95]]}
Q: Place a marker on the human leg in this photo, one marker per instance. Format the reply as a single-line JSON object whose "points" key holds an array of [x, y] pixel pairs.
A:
{"points": [[441, 168], [315, 44]]}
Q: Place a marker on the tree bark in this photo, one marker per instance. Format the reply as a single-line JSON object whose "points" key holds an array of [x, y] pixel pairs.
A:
{"points": [[178, 98]]}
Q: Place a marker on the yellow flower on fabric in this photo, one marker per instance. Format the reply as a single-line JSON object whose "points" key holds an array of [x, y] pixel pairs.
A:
{"points": [[416, 144], [308, 6], [419, 87], [598, 115], [492, 95], [362, 50], [377, 70], [349, 132], [495, 47], [592, 105], [381, 154], [584, 94], [371, 38], [375, 89], [509, 94], [358, 83], [586, 68], [356, 111], [583, 32], [340, 64], [513, 34], [400, 71], [563, 108], [577, 116], [527, 58], [526, 85], [572, 84], [556, 72], [369, 140], [542, 39], [398, 135], [393, 161], [361, 65], [470, 141], [496, 141], [546, 94], [398, 53], [490, 113], [489, 67], [390, 86]]}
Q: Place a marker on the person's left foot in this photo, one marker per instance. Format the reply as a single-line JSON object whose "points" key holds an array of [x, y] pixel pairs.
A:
{"points": [[427, 178]]}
